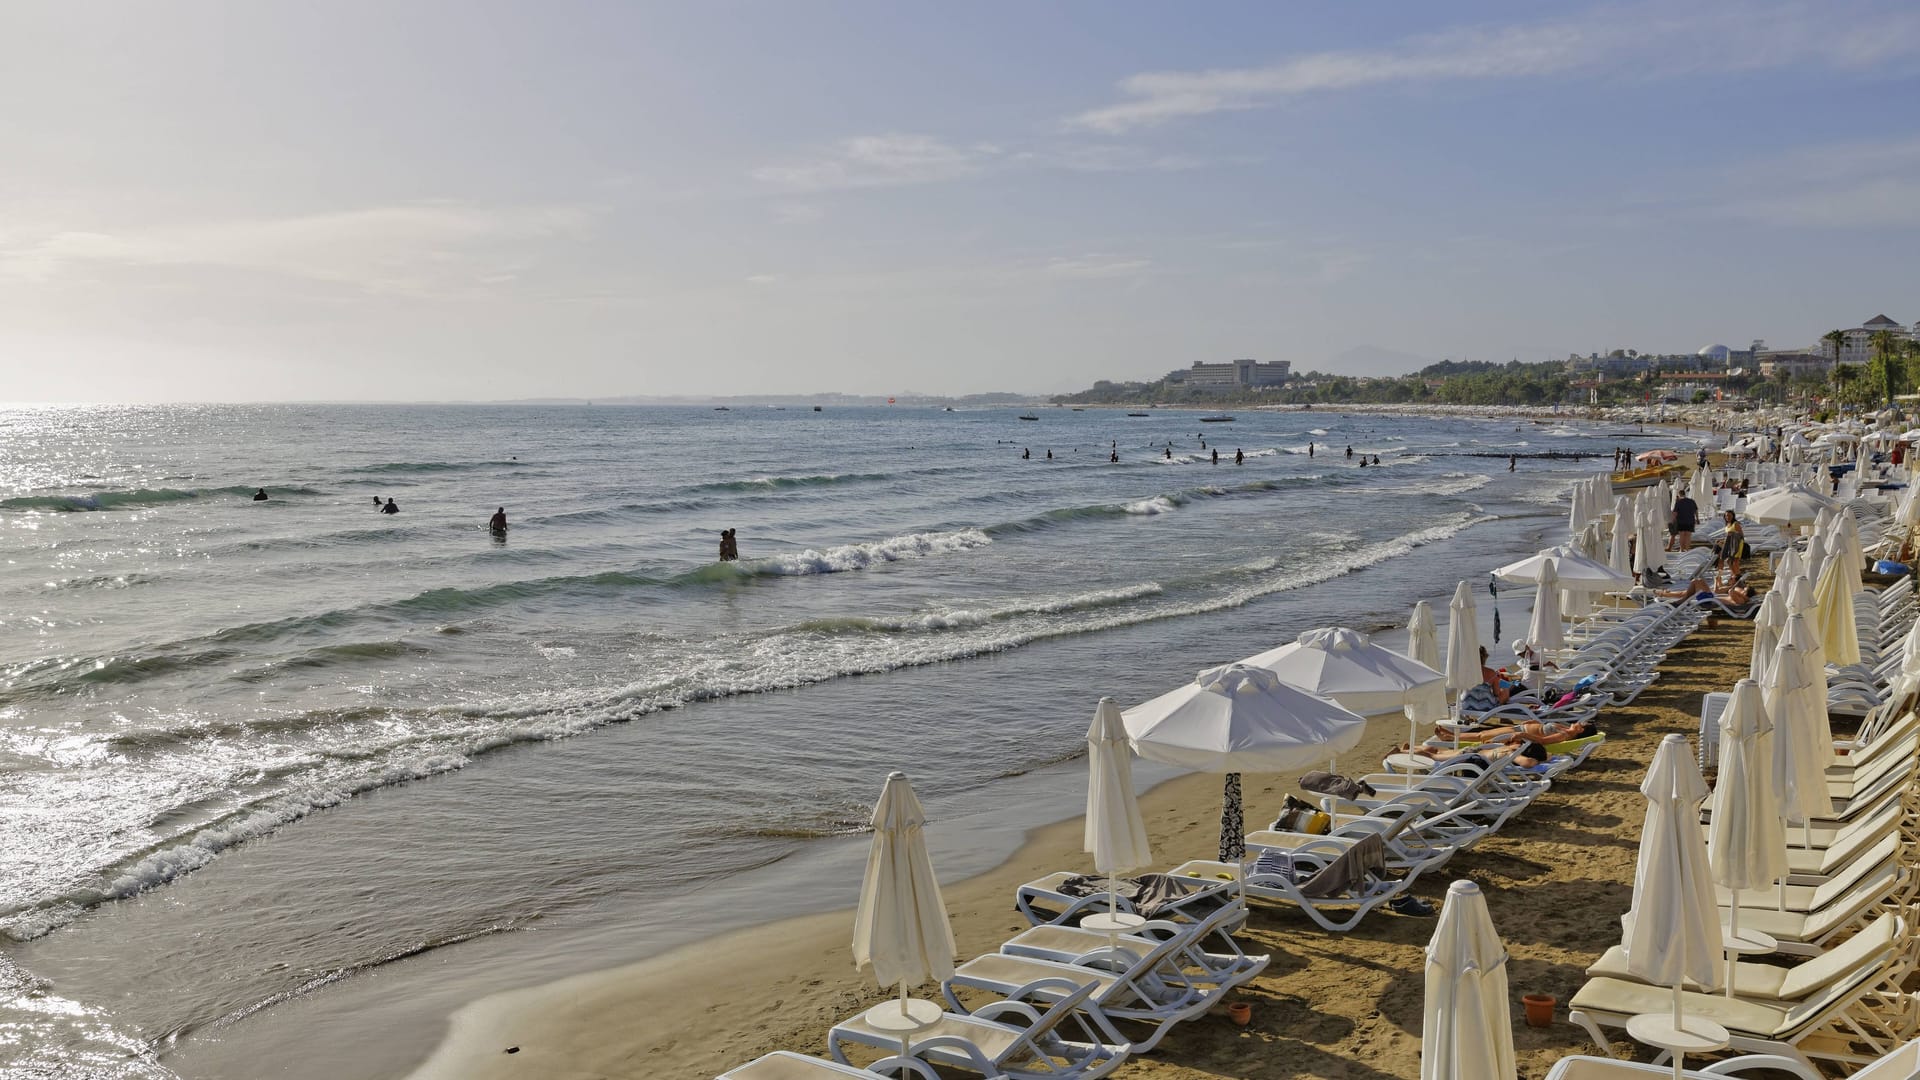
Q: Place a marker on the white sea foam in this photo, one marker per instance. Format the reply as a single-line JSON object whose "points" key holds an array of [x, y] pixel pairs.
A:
{"points": [[1158, 504], [845, 557]]}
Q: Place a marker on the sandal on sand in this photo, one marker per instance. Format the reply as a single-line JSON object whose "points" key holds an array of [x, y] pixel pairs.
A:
{"points": [[1410, 905]]}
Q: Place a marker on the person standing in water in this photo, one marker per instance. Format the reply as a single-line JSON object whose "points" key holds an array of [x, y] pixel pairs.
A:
{"points": [[497, 524], [260, 496], [390, 508], [1239, 457], [1114, 456], [1510, 462], [376, 502], [729, 546], [1169, 453], [1026, 452], [1309, 449], [1349, 452], [1216, 456]]}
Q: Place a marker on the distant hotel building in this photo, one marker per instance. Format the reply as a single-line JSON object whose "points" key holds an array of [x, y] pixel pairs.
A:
{"points": [[1232, 375], [1857, 347]]}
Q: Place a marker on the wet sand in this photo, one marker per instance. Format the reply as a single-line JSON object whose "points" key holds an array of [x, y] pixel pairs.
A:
{"points": [[1557, 877]]}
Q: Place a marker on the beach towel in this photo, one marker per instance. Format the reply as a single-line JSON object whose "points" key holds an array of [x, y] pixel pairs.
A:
{"points": [[1350, 872], [1150, 894], [1323, 782]]}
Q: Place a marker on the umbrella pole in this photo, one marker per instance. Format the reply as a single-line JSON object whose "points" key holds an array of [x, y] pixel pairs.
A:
{"points": [[1232, 824], [1734, 934], [905, 1036]]}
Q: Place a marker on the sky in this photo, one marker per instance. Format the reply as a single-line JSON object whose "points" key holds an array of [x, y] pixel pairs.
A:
{"points": [[242, 201]]}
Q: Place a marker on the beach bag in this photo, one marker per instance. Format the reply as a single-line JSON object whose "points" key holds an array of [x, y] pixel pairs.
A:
{"points": [[1302, 817], [1888, 566]]}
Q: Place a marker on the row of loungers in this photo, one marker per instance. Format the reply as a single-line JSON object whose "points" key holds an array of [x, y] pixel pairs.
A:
{"points": [[1835, 991]]}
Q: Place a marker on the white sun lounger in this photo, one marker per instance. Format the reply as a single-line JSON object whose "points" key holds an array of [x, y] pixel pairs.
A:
{"points": [[1008, 1039], [1042, 902], [1336, 913], [787, 1065], [1071, 945], [1843, 1006]]}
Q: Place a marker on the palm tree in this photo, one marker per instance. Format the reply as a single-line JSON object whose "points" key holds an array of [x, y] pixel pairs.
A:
{"points": [[1886, 348], [1835, 338]]}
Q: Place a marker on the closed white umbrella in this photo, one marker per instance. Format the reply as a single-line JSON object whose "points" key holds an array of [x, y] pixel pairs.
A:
{"points": [[1673, 931], [1576, 512], [1347, 667], [1746, 841], [1463, 641], [1116, 835], [1236, 719], [1816, 557], [1846, 544], [1766, 634], [1617, 552], [1799, 759], [1833, 610], [1423, 638], [1701, 489], [1467, 1030], [901, 928], [1545, 632]]}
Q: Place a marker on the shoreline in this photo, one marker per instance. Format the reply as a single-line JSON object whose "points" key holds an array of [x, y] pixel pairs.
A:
{"points": [[1341, 1005]]}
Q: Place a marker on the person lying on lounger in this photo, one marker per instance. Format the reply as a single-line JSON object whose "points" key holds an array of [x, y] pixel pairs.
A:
{"points": [[1698, 589], [1545, 732], [1534, 749]]}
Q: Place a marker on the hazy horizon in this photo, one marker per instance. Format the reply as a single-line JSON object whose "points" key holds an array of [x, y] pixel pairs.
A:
{"points": [[491, 202]]}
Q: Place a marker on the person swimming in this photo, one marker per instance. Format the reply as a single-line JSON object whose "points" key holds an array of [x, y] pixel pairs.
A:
{"points": [[260, 496], [390, 508], [497, 524]]}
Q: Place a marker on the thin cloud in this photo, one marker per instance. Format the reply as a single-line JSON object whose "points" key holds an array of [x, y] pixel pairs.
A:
{"points": [[1639, 41], [1096, 266], [863, 161], [415, 249]]}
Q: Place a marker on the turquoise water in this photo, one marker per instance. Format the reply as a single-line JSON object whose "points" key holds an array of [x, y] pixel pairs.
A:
{"points": [[195, 685]]}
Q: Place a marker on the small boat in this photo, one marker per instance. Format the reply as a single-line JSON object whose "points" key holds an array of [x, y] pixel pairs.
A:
{"points": [[816, 408], [1216, 419], [1078, 409], [721, 408], [948, 409], [1024, 416], [1137, 414]]}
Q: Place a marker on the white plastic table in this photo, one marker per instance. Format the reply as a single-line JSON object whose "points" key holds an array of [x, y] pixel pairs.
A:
{"points": [[1693, 1035], [1746, 943]]}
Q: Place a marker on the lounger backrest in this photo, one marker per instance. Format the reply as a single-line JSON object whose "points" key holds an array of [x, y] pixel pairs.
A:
{"points": [[1872, 859], [1863, 948], [1164, 951], [1027, 1046]]}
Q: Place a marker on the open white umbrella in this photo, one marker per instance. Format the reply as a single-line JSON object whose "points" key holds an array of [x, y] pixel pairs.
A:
{"points": [[1545, 632], [1116, 835], [1347, 667], [1833, 611], [1466, 1032], [1746, 842], [1236, 719], [1673, 931], [1423, 639], [1570, 568], [901, 927], [1792, 505]]}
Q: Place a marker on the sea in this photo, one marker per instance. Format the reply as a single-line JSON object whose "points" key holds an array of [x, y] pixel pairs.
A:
{"points": [[284, 781]]}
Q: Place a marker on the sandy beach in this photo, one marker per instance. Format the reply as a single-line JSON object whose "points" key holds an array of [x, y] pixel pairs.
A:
{"points": [[1557, 878]]}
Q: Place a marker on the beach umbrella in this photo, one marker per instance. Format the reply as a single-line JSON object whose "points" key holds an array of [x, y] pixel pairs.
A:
{"points": [[1794, 504], [1766, 634], [1466, 1032], [1345, 666], [1617, 556], [1833, 611], [1463, 642], [1545, 631], [1116, 835], [1672, 931], [1792, 565], [1746, 842], [1423, 641], [1701, 489], [1576, 512], [1816, 556], [1802, 741], [1648, 543], [1845, 543], [1234, 719], [1798, 629], [901, 928], [1570, 568]]}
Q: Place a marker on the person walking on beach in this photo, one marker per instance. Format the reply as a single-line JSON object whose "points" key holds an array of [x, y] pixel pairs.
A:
{"points": [[390, 508], [1733, 548], [497, 524], [1239, 457], [729, 547], [1686, 514]]}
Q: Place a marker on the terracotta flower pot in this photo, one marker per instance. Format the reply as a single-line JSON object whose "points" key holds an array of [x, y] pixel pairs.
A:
{"points": [[1240, 1013], [1539, 1009]]}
